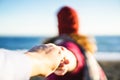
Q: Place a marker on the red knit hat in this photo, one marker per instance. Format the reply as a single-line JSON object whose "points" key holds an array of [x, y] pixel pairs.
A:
{"points": [[67, 21]]}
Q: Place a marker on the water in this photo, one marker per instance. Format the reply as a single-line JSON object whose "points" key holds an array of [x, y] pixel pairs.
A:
{"points": [[109, 45], [15, 43], [104, 43]]}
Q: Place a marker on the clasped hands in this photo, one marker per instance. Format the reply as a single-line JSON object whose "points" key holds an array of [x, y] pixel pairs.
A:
{"points": [[46, 59]]}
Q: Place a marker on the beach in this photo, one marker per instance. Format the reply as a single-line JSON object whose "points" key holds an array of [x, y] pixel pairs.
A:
{"points": [[110, 62], [111, 68]]}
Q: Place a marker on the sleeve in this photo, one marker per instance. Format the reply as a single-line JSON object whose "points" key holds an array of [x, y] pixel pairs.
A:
{"points": [[78, 54], [14, 66]]}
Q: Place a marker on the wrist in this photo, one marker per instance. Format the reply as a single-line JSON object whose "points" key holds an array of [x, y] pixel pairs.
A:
{"points": [[35, 68], [40, 67]]}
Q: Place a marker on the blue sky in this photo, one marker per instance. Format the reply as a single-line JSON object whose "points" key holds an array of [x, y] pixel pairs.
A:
{"points": [[38, 17]]}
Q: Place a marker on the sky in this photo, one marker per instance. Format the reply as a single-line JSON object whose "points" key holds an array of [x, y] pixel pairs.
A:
{"points": [[38, 17]]}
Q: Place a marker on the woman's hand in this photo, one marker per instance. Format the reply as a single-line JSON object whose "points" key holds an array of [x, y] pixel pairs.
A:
{"points": [[68, 64]]}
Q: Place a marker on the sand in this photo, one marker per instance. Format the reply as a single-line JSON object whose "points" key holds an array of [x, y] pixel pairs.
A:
{"points": [[111, 68]]}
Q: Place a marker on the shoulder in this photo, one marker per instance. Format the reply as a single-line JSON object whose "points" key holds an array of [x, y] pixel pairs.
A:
{"points": [[58, 39], [50, 40]]}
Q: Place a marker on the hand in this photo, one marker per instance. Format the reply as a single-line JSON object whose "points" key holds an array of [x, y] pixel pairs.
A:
{"points": [[46, 58], [68, 64]]}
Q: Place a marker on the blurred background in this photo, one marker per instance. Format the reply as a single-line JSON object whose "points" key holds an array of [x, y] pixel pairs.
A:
{"points": [[25, 23]]}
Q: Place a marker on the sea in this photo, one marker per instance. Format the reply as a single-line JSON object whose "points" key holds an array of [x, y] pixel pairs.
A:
{"points": [[108, 46]]}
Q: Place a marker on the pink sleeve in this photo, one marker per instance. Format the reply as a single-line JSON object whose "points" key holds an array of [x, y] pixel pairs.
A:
{"points": [[78, 54]]}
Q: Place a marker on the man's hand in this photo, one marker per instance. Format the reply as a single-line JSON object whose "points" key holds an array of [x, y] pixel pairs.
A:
{"points": [[46, 58]]}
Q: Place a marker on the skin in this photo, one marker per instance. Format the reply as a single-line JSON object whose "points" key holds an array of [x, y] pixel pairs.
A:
{"points": [[45, 60], [68, 64]]}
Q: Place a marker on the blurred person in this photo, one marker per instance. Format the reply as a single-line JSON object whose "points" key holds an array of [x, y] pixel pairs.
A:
{"points": [[41, 60], [82, 64]]}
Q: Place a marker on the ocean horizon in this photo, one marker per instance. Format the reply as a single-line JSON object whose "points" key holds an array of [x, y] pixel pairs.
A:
{"points": [[108, 46]]}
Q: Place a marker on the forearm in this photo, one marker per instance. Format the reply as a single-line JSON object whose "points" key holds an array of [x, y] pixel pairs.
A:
{"points": [[14, 66], [40, 66], [17, 66]]}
